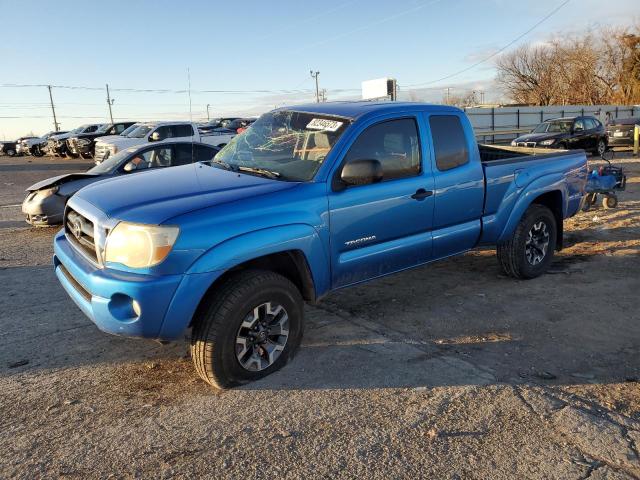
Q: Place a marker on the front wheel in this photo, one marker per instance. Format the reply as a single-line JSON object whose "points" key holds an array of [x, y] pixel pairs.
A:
{"points": [[530, 251], [250, 327]]}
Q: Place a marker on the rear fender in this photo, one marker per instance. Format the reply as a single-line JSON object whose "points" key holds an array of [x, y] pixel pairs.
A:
{"points": [[249, 246], [540, 186]]}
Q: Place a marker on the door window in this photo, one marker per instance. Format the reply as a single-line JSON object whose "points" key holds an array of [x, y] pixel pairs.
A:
{"points": [[578, 126], [153, 158], [589, 124], [394, 144], [449, 142]]}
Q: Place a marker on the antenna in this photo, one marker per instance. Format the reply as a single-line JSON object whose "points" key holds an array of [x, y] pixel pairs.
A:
{"points": [[189, 81]]}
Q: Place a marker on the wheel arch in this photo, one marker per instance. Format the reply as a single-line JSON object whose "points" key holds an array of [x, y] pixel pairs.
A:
{"points": [[553, 196]]}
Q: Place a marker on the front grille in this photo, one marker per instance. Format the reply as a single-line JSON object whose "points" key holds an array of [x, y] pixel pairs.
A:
{"points": [[101, 152], [80, 231], [51, 146], [526, 144]]}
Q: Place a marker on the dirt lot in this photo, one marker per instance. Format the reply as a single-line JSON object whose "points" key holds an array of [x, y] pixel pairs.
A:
{"points": [[447, 371]]}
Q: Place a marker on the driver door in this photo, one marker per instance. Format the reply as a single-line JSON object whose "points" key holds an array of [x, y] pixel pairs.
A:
{"points": [[383, 227]]}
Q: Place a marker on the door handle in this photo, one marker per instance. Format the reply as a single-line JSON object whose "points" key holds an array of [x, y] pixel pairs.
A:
{"points": [[421, 194]]}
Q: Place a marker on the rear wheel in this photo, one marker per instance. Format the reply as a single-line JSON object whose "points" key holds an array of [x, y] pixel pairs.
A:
{"points": [[249, 328], [11, 152], [531, 248]]}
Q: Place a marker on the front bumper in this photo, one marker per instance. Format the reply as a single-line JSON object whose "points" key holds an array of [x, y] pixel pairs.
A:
{"points": [[620, 141], [129, 304], [43, 211]]}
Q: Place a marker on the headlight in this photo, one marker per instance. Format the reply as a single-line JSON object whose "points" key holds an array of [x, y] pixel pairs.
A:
{"points": [[514, 143], [48, 192], [548, 142], [139, 246]]}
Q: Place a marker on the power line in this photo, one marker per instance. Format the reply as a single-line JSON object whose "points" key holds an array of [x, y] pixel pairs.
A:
{"points": [[166, 90], [546, 17]]}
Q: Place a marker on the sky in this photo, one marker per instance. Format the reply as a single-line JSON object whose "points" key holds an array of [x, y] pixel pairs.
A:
{"points": [[254, 55]]}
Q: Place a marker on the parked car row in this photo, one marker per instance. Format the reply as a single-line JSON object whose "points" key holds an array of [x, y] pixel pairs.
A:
{"points": [[100, 140]]}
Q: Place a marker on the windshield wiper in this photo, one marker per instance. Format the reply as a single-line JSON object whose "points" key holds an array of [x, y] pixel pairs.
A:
{"points": [[260, 171], [224, 165]]}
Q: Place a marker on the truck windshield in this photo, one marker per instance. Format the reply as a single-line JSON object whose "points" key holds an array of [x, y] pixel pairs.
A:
{"points": [[140, 132], [284, 144], [128, 130]]}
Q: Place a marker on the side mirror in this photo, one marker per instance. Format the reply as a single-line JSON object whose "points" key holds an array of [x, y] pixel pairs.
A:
{"points": [[361, 172], [155, 137], [130, 167]]}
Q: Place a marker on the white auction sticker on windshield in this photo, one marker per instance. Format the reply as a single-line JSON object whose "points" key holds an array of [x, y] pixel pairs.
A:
{"points": [[324, 124]]}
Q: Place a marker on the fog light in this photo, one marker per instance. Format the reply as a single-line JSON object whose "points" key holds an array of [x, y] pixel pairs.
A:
{"points": [[124, 308]]}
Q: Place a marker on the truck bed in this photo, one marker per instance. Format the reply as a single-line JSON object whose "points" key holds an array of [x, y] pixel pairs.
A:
{"points": [[504, 154], [509, 170]]}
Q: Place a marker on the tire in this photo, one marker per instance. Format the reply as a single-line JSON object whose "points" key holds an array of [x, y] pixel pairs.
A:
{"points": [[216, 346], [86, 156], [11, 152], [610, 201], [520, 260], [601, 148]]}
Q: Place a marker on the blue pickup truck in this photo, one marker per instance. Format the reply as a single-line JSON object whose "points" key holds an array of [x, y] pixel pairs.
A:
{"points": [[308, 200]]}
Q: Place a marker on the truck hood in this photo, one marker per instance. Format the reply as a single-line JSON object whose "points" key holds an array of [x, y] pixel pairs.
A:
{"points": [[62, 136], [59, 180], [156, 196], [121, 142], [538, 137]]}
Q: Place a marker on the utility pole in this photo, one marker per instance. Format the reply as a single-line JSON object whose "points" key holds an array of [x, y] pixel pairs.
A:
{"points": [[109, 102], [314, 75], [208, 117], [448, 89], [53, 109]]}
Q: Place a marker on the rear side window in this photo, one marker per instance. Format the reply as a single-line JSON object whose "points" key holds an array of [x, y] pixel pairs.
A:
{"points": [[189, 153], [449, 142], [394, 144], [181, 131]]}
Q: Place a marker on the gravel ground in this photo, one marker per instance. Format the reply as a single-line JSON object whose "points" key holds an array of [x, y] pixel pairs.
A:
{"points": [[447, 371]]}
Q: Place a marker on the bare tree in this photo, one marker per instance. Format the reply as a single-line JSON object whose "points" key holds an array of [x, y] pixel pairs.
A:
{"points": [[592, 68]]}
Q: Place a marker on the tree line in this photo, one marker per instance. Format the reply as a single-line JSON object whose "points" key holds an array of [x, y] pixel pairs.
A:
{"points": [[595, 67]]}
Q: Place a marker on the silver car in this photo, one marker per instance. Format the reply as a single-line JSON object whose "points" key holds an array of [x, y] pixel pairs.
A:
{"points": [[46, 200]]}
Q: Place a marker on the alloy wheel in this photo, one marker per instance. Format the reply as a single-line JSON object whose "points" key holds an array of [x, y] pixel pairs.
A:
{"points": [[537, 243], [262, 336]]}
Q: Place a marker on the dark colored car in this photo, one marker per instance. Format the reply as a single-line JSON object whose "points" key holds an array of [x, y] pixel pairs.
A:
{"points": [[217, 123], [8, 148], [46, 200], [586, 133], [620, 131], [83, 144]]}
